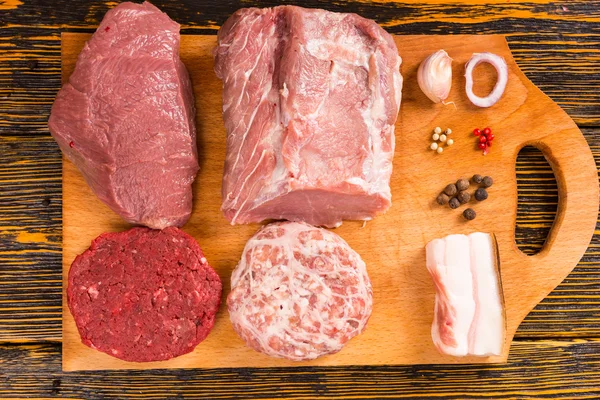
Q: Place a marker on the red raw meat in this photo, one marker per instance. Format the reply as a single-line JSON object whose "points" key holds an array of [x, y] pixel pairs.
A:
{"points": [[143, 295], [126, 117]]}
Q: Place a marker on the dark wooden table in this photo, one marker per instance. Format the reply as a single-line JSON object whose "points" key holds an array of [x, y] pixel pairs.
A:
{"points": [[556, 352]]}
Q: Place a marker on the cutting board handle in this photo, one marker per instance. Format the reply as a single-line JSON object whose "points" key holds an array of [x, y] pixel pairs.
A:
{"points": [[535, 120], [577, 179], [575, 170]]}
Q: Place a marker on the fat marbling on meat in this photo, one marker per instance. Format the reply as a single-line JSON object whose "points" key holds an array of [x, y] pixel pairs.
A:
{"points": [[126, 117], [310, 98], [299, 292], [469, 311]]}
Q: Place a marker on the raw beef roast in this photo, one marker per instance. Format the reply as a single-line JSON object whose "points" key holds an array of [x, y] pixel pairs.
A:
{"points": [[299, 292], [126, 117], [143, 294], [310, 98]]}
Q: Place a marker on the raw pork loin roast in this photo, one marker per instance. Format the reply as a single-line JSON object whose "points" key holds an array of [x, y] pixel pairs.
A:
{"points": [[310, 98], [126, 117]]}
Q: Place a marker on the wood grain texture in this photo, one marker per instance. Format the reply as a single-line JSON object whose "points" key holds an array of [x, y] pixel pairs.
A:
{"points": [[537, 369], [30, 239], [554, 42], [392, 245]]}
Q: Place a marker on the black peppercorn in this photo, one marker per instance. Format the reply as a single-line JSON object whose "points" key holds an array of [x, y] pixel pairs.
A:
{"points": [[469, 214], [442, 199], [463, 197], [462, 184], [481, 194], [487, 182], [477, 179], [454, 203], [451, 190]]}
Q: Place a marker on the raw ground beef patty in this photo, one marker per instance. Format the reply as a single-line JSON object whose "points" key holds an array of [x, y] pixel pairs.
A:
{"points": [[299, 292], [143, 295]]}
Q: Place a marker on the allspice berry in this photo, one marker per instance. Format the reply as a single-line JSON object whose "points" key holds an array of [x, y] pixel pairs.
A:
{"points": [[454, 203], [487, 182], [451, 190], [463, 197], [481, 194], [469, 214], [477, 179], [462, 184], [442, 199]]}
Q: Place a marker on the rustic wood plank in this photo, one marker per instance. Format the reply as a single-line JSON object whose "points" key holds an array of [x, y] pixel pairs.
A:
{"points": [[30, 243], [545, 368], [210, 14], [30, 239]]}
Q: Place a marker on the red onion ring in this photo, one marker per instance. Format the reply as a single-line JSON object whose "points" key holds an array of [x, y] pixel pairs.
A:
{"points": [[500, 65]]}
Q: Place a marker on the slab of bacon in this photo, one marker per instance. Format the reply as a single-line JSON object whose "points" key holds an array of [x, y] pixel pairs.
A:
{"points": [[469, 312]]}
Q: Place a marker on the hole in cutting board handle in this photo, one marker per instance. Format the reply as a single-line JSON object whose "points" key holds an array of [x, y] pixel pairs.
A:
{"points": [[537, 194]]}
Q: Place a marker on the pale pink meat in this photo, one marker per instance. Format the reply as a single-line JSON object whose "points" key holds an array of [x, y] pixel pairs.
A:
{"points": [[310, 98], [299, 292], [469, 311]]}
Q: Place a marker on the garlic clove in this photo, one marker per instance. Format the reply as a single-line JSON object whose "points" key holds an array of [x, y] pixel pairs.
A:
{"points": [[435, 76]]}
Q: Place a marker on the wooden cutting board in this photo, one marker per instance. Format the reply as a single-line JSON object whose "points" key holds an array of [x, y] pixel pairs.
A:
{"points": [[392, 245]]}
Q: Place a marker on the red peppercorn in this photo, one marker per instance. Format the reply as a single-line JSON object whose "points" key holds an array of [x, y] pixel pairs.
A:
{"points": [[476, 131], [489, 144], [482, 145], [71, 144], [487, 131], [490, 137], [482, 139]]}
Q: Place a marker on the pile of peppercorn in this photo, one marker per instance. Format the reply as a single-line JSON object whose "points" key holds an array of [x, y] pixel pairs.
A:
{"points": [[484, 139], [457, 193]]}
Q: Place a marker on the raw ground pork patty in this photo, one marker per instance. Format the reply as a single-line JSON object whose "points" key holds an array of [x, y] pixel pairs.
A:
{"points": [[126, 117], [310, 98], [299, 292], [143, 295]]}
